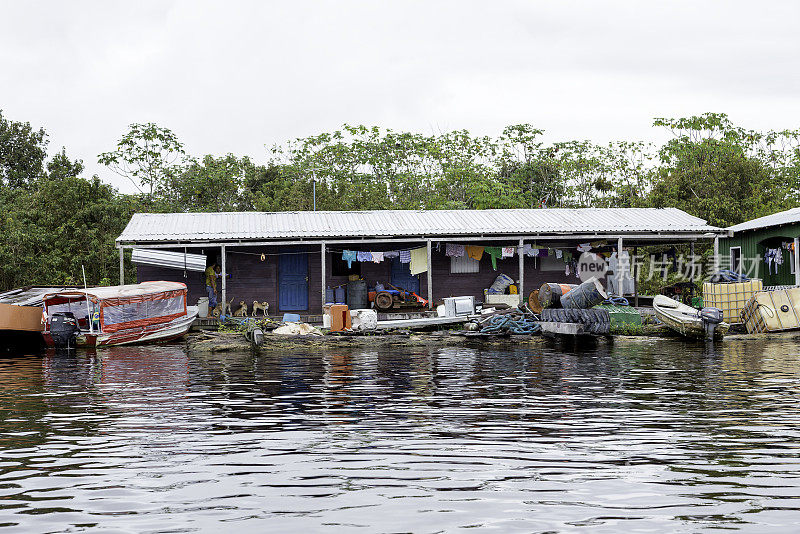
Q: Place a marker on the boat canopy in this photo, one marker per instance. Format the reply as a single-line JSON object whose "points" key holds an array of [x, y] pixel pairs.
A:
{"points": [[121, 307]]}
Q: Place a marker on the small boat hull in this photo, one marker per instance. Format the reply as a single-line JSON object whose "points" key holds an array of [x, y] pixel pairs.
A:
{"points": [[684, 319], [159, 333]]}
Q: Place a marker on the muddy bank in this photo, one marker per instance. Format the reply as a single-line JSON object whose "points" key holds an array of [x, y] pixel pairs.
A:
{"points": [[213, 343]]}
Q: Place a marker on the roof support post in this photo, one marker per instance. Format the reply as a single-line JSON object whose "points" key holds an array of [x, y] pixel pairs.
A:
{"points": [[620, 273], [635, 277], [716, 253], [796, 253], [223, 259], [691, 260], [121, 266], [430, 276], [324, 267], [521, 273]]}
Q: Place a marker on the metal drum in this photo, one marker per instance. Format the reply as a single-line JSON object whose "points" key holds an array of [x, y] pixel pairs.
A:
{"points": [[550, 294]]}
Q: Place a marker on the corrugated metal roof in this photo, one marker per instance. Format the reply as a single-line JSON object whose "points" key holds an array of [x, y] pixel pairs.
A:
{"points": [[171, 227], [170, 260], [776, 219], [126, 291]]}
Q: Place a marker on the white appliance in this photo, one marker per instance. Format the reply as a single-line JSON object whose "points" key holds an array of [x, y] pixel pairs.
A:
{"points": [[455, 306]]}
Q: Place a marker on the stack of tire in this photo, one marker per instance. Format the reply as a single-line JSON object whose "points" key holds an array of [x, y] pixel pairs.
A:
{"points": [[594, 321]]}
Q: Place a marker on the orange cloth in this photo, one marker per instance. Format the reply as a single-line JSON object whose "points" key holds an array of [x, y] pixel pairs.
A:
{"points": [[476, 253]]}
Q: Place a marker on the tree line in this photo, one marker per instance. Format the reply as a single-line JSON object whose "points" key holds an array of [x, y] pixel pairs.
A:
{"points": [[55, 220]]}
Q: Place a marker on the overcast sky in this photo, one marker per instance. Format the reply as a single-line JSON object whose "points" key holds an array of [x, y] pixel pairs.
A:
{"points": [[239, 76]]}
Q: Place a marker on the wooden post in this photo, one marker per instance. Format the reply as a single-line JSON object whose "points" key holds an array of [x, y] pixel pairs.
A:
{"points": [[796, 253], [521, 288], [121, 266], [691, 260], [430, 277], [716, 253], [224, 280], [619, 274], [324, 267]]}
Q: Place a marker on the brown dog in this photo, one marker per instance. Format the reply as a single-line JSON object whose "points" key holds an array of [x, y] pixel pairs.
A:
{"points": [[263, 306], [219, 310], [242, 311]]}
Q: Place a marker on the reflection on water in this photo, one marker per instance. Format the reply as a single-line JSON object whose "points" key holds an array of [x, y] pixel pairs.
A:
{"points": [[642, 435]]}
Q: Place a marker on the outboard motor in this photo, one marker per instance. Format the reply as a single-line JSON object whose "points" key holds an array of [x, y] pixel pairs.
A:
{"points": [[711, 317], [64, 329]]}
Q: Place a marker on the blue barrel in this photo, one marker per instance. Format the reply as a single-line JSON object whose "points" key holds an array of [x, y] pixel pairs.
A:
{"points": [[357, 295], [585, 296], [339, 293]]}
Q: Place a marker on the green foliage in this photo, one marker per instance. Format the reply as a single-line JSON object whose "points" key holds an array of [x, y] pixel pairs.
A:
{"points": [[53, 220], [723, 173], [22, 153], [147, 155]]}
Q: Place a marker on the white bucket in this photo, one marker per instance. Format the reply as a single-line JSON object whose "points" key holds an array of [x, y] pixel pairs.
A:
{"points": [[202, 307]]}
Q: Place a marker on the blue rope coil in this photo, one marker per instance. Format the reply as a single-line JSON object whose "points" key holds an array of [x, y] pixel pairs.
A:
{"points": [[519, 324]]}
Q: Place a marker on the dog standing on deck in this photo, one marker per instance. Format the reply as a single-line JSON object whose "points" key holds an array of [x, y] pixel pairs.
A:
{"points": [[263, 306]]}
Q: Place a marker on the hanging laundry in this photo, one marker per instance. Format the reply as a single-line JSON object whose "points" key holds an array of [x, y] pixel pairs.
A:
{"points": [[544, 252], [419, 260], [377, 257], [349, 256], [527, 250], [391, 254], [495, 253], [405, 256], [534, 252], [566, 270], [364, 256], [585, 247], [559, 253], [476, 253], [454, 251], [567, 256], [508, 252]]}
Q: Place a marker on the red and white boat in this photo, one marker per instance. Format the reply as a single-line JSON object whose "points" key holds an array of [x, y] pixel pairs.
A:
{"points": [[117, 315]]}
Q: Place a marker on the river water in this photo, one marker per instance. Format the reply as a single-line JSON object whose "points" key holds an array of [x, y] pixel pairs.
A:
{"points": [[642, 436]]}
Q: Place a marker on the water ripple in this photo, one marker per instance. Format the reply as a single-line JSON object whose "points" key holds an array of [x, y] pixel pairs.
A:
{"points": [[655, 436]]}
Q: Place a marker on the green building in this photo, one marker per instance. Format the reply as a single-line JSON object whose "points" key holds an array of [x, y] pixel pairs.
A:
{"points": [[765, 248]]}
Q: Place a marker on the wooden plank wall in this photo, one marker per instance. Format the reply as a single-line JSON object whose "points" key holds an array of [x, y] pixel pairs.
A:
{"points": [[252, 279]]}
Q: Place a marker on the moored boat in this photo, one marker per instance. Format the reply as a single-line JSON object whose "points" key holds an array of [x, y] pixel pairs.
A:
{"points": [[117, 315], [690, 322]]}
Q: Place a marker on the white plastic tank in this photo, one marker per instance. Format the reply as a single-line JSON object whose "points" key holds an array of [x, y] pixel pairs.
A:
{"points": [[202, 307]]}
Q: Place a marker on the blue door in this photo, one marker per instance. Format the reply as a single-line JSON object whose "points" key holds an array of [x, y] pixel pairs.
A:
{"points": [[401, 276], [293, 282]]}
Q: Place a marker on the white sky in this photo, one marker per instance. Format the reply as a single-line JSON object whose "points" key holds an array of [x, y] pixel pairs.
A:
{"points": [[240, 76]]}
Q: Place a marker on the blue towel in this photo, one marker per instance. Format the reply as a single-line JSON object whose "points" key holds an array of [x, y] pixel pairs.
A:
{"points": [[405, 256], [349, 256], [364, 256]]}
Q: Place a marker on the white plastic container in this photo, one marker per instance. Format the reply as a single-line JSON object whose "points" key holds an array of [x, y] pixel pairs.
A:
{"points": [[202, 307]]}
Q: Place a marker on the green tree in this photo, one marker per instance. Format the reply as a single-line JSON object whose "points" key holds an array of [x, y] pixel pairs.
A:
{"points": [[23, 151], [718, 171], [147, 155], [59, 224]]}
